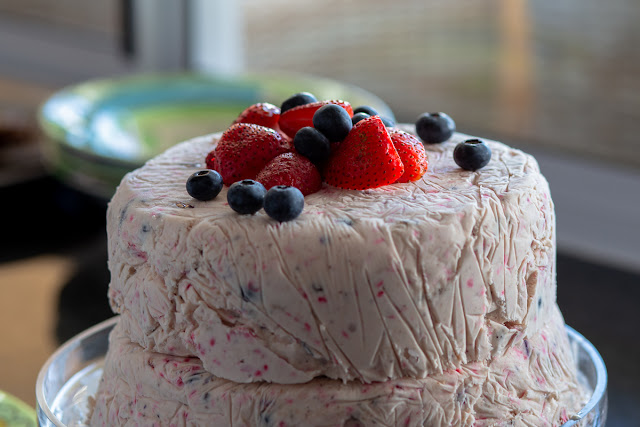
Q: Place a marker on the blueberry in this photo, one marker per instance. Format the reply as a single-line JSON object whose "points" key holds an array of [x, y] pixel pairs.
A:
{"points": [[246, 196], [370, 111], [204, 185], [359, 116], [312, 144], [365, 109], [301, 98], [283, 203], [388, 122], [333, 121], [472, 154], [434, 128]]}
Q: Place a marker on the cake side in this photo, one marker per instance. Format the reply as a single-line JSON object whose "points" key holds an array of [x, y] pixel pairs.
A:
{"points": [[406, 280]]}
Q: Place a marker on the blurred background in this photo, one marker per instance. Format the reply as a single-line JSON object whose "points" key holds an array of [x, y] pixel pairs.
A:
{"points": [[558, 79]]}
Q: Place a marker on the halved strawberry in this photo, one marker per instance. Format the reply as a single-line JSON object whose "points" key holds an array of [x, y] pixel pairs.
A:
{"points": [[412, 154], [263, 114], [294, 119], [243, 150], [291, 169], [365, 159]]}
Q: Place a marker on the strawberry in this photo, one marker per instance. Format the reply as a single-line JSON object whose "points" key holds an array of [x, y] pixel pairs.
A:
{"points": [[210, 160], [412, 154], [285, 137], [294, 119], [291, 169], [263, 114], [365, 159], [243, 150]]}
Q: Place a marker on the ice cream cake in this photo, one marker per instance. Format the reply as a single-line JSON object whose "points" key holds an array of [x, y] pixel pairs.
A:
{"points": [[422, 303]]}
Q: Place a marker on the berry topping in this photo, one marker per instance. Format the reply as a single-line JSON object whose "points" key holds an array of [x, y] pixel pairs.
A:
{"points": [[283, 203], [365, 159], [434, 128], [359, 116], [246, 196], [412, 154], [333, 121], [244, 149], [312, 144], [291, 169], [370, 111], [263, 114], [204, 185], [291, 121], [297, 100], [472, 154]]}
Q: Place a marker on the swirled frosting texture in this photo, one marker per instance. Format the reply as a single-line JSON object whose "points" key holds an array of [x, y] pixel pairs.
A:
{"points": [[404, 281]]}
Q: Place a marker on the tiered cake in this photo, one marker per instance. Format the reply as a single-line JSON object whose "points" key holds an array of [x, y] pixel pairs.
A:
{"points": [[429, 303]]}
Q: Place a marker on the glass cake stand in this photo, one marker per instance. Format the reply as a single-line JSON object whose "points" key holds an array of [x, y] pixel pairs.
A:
{"points": [[71, 375]]}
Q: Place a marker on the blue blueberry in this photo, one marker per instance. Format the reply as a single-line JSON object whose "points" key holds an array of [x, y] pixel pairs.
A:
{"points": [[204, 185], [472, 154], [359, 116], [365, 109], [434, 128], [283, 203], [370, 111], [312, 144], [246, 196], [333, 121], [296, 100], [388, 122]]}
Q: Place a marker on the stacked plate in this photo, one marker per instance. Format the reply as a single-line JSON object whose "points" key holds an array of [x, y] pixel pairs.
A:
{"points": [[99, 130]]}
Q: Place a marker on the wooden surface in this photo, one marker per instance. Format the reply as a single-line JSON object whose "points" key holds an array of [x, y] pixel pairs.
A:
{"points": [[28, 298]]}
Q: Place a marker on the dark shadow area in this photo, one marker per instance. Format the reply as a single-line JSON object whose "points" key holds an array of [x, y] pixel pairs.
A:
{"points": [[45, 217], [83, 300], [602, 304]]}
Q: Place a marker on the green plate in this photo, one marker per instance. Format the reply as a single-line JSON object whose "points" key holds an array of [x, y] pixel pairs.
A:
{"points": [[15, 413], [99, 130]]}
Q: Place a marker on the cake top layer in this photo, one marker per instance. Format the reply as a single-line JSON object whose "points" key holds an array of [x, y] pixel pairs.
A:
{"points": [[404, 280]]}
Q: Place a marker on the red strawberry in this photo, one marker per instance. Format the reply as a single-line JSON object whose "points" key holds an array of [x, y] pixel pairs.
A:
{"points": [[263, 114], [291, 121], [244, 149], [412, 154], [291, 169], [285, 137], [210, 160], [365, 159]]}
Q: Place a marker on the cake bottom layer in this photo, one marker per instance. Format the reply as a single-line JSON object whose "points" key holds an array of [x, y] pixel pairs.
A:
{"points": [[532, 384]]}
